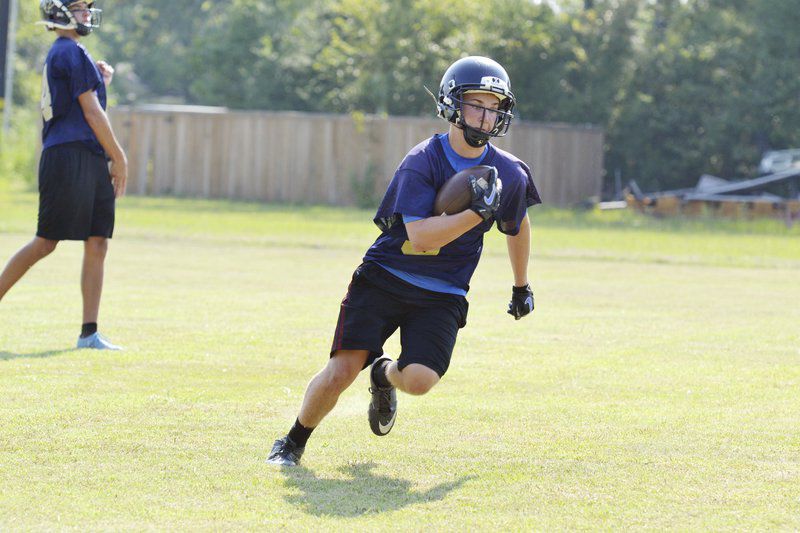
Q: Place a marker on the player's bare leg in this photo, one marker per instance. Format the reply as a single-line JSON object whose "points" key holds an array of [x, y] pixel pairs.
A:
{"points": [[321, 395], [94, 256], [325, 388], [23, 260]]}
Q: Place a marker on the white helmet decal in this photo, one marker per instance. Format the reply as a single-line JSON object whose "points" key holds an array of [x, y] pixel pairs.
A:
{"points": [[492, 83]]}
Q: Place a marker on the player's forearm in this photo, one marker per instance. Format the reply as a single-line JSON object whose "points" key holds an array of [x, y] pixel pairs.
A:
{"points": [[519, 250], [435, 232], [101, 126]]}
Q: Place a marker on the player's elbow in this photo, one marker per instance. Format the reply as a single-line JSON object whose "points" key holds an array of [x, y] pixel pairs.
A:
{"points": [[420, 243], [422, 238], [420, 247], [414, 237]]}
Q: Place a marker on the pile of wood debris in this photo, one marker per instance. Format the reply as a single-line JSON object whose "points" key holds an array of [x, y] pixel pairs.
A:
{"points": [[775, 195]]}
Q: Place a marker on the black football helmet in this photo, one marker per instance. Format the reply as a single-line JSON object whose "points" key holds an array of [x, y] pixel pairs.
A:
{"points": [[56, 15], [476, 74]]}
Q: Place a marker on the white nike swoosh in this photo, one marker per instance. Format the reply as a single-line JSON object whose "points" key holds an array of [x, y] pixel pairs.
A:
{"points": [[489, 199], [385, 428]]}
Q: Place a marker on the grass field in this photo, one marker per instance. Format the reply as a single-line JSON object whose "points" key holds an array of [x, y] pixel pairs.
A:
{"points": [[655, 387]]}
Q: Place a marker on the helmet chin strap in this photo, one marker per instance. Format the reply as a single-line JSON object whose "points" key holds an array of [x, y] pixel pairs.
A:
{"points": [[474, 137]]}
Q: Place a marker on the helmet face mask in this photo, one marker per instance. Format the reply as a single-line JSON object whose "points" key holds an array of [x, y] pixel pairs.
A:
{"points": [[499, 117], [57, 15], [482, 75]]}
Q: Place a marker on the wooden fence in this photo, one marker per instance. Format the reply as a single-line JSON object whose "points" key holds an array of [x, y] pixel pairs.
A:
{"points": [[322, 159]]}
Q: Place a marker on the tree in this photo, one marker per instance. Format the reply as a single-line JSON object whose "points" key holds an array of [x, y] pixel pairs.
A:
{"points": [[714, 84], [682, 87]]}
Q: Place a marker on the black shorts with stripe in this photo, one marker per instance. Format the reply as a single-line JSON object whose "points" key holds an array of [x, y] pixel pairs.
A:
{"points": [[76, 197], [377, 303]]}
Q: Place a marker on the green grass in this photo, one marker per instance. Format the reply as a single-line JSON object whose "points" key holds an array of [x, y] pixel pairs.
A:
{"points": [[655, 387]]}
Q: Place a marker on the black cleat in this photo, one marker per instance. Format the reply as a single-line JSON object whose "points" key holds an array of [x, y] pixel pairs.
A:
{"points": [[383, 406], [285, 453]]}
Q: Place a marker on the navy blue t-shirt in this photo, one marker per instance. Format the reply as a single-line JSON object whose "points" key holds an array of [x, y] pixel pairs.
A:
{"points": [[69, 71], [412, 192]]}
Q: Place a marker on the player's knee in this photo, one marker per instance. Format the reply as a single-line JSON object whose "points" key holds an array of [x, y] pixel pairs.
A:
{"points": [[419, 387], [97, 247], [418, 379], [44, 247], [339, 375]]}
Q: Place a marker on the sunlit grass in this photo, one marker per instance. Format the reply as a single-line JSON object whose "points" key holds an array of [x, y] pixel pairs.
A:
{"points": [[654, 387]]}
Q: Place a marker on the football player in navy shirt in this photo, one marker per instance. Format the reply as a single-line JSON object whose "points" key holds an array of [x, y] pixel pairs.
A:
{"points": [[77, 186], [416, 275]]}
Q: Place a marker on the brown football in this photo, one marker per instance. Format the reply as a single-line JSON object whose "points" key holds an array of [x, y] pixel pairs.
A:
{"points": [[456, 194]]}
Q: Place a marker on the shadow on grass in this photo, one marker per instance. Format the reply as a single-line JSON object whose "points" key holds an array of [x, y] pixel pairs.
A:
{"points": [[363, 493], [7, 356]]}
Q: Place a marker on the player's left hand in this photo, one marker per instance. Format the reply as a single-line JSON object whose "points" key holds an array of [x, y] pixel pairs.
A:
{"points": [[118, 172], [521, 301], [106, 70]]}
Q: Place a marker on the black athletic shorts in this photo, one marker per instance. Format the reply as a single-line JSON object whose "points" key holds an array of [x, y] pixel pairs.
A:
{"points": [[378, 302], [76, 197]]}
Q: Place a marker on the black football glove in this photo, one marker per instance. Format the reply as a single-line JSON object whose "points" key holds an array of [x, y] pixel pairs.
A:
{"points": [[486, 194], [521, 301]]}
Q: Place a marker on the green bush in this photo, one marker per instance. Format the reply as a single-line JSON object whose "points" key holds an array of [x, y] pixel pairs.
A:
{"points": [[19, 150]]}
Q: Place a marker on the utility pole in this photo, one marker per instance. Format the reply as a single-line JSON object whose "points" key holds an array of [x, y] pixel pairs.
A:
{"points": [[10, 46], [3, 42]]}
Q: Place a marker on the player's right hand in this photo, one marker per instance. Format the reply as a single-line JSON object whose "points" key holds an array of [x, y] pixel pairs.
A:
{"points": [[107, 71], [486, 194]]}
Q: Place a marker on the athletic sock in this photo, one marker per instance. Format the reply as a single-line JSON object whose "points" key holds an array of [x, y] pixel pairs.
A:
{"points": [[379, 375], [299, 434], [90, 328]]}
